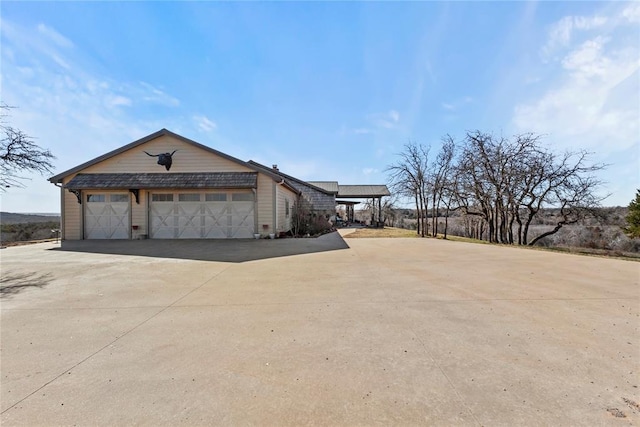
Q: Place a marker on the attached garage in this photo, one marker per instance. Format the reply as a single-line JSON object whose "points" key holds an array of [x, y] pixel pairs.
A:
{"points": [[165, 186], [202, 215]]}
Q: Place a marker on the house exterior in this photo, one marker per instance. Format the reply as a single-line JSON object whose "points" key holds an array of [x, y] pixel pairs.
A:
{"points": [[322, 200], [165, 186]]}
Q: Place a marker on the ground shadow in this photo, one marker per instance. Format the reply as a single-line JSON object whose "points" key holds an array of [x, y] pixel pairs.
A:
{"points": [[224, 250], [12, 284]]}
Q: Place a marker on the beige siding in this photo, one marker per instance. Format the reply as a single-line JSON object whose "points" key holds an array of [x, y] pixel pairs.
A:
{"points": [[139, 215], [265, 204], [188, 158], [284, 220], [72, 226]]}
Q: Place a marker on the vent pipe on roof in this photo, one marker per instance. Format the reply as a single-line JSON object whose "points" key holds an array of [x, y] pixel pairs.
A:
{"points": [[275, 168]]}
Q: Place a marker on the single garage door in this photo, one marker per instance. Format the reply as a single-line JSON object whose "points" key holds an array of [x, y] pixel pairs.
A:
{"points": [[206, 215], [106, 216]]}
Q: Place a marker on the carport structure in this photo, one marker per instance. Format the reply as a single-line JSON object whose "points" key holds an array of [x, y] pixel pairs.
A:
{"points": [[375, 192]]}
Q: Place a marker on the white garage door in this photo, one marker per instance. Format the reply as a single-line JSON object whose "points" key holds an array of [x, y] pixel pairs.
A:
{"points": [[207, 215], [106, 216]]}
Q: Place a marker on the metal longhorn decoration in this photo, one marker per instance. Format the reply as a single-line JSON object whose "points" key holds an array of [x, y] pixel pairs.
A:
{"points": [[164, 159]]}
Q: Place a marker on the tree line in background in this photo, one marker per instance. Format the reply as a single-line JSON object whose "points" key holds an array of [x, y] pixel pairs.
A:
{"points": [[499, 184], [17, 232]]}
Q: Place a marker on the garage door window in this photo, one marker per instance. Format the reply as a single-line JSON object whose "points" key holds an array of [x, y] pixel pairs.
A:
{"points": [[162, 197], [242, 197], [215, 197], [188, 197], [96, 198], [118, 198]]}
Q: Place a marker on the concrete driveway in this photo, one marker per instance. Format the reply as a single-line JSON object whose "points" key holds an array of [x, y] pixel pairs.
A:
{"points": [[384, 331]]}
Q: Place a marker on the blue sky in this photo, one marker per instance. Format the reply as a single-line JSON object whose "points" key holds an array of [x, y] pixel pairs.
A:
{"points": [[328, 91]]}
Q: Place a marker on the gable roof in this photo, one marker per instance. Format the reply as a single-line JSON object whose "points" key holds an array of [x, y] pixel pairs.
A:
{"points": [[162, 132], [289, 177]]}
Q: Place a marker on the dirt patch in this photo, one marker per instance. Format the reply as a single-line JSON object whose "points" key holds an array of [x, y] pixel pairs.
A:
{"points": [[616, 412], [633, 405]]}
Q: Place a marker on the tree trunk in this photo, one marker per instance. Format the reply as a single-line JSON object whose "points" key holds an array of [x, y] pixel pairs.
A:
{"points": [[446, 221], [548, 233], [525, 234], [519, 221], [417, 214]]}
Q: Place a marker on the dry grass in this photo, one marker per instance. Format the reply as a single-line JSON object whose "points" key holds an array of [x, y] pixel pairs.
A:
{"points": [[401, 232], [381, 232], [603, 253]]}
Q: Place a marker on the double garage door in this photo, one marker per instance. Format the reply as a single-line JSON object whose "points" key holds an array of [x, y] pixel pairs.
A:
{"points": [[204, 215], [173, 215]]}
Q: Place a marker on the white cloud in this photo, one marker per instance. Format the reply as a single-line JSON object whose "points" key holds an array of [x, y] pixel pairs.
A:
{"points": [[588, 60], [449, 107], [632, 13], [204, 123], [118, 100], [592, 100], [54, 36], [32, 45], [561, 33]]}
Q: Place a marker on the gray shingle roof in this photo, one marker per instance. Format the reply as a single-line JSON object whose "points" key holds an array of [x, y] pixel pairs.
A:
{"points": [[290, 178], [362, 191], [164, 180], [330, 186]]}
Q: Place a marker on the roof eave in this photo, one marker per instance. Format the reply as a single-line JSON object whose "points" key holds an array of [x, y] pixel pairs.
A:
{"points": [[283, 175]]}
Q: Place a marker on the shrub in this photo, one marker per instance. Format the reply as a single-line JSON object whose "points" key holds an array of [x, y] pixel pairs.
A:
{"points": [[305, 220]]}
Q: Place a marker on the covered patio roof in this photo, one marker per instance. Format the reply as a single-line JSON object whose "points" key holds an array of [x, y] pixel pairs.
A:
{"points": [[353, 191], [362, 191]]}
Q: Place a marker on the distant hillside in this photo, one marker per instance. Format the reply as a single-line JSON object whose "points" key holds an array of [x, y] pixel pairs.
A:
{"points": [[19, 218]]}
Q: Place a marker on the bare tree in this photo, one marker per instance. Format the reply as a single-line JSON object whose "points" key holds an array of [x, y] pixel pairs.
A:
{"points": [[508, 181], [575, 195], [389, 214], [408, 178], [441, 169], [19, 154]]}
